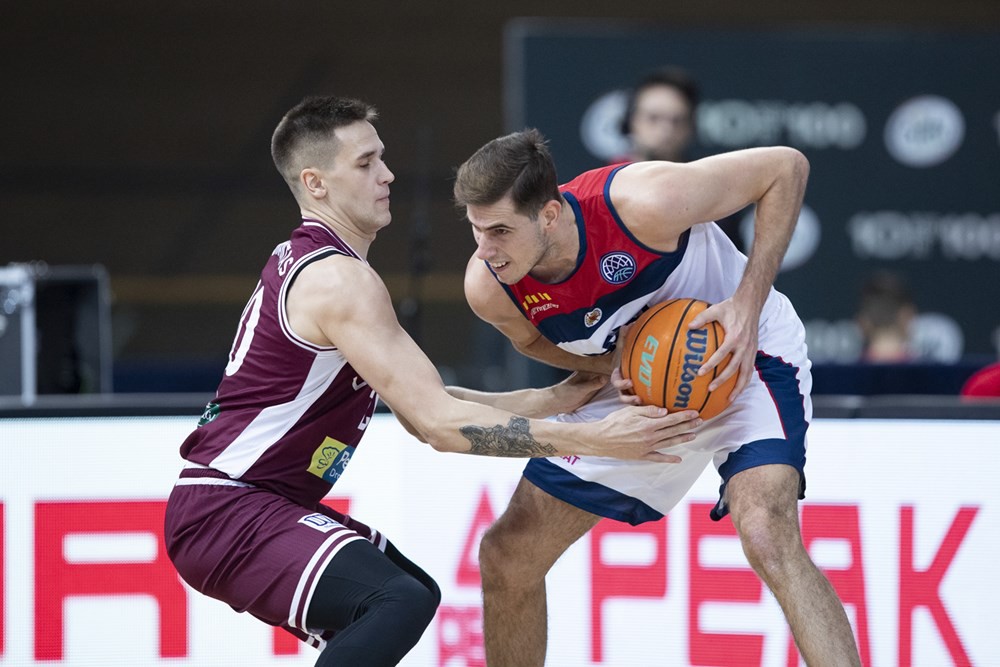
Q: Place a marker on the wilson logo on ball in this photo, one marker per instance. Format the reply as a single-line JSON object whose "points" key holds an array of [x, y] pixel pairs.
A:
{"points": [[696, 346], [662, 355]]}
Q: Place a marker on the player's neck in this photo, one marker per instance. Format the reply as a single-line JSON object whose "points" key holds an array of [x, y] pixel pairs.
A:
{"points": [[349, 233], [559, 260]]}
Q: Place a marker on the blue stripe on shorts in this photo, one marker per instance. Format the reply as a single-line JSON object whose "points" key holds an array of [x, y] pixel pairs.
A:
{"points": [[589, 496], [780, 379]]}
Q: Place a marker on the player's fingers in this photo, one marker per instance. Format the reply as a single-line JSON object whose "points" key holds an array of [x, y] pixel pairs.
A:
{"points": [[660, 457], [674, 439], [629, 399], [742, 381], [622, 385], [677, 425], [682, 416], [732, 368], [717, 357], [652, 411], [703, 318], [624, 388]]}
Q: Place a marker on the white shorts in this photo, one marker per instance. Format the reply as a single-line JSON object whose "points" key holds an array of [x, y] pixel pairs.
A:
{"points": [[766, 424]]}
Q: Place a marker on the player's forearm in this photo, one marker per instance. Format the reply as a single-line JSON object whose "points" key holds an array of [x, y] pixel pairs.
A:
{"points": [[525, 402], [543, 350], [776, 215], [461, 426]]}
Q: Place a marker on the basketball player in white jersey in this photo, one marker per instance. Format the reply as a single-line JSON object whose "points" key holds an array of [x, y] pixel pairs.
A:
{"points": [[317, 344], [560, 270]]}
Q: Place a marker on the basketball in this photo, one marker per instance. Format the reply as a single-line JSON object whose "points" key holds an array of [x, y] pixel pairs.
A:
{"points": [[662, 357]]}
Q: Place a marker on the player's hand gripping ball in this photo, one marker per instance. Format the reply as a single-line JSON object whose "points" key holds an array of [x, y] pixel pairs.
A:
{"points": [[662, 357]]}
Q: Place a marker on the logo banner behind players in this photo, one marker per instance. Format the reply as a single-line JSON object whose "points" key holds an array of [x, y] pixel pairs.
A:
{"points": [[907, 535], [902, 130]]}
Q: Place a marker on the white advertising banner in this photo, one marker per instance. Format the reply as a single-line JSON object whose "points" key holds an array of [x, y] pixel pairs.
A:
{"points": [[903, 516]]}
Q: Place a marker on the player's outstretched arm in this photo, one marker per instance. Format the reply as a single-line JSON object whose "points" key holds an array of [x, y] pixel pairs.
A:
{"points": [[351, 309], [566, 396]]}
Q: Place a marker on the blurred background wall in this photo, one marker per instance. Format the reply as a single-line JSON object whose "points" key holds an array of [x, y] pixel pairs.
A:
{"points": [[136, 136]]}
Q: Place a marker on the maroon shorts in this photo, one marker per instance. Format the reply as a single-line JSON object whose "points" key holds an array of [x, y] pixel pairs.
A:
{"points": [[255, 550]]}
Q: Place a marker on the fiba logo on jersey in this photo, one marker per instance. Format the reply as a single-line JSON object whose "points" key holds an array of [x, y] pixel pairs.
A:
{"points": [[617, 267]]}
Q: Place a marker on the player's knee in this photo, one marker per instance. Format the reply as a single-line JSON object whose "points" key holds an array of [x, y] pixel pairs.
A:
{"points": [[771, 541], [415, 603], [504, 560], [493, 556]]}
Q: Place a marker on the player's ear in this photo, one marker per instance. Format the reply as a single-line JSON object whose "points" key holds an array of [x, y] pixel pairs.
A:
{"points": [[313, 183], [551, 211]]}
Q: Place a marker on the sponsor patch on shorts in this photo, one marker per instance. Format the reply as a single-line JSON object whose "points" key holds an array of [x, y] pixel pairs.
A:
{"points": [[320, 522]]}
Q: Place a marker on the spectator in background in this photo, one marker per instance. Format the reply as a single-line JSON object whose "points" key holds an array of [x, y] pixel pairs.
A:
{"points": [[659, 119], [885, 314], [659, 122]]}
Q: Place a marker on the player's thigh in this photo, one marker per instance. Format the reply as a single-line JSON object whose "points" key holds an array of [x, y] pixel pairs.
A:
{"points": [[534, 530]]}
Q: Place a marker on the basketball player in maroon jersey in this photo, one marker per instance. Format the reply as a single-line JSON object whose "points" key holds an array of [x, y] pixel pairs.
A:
{"points": [[317, 344], [561, 270]]}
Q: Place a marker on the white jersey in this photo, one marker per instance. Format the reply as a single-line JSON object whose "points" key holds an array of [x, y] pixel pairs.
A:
{"points": [[615, 279]]}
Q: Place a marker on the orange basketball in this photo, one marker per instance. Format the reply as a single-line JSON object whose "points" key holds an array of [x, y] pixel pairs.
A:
{"points": [[662, 356]]}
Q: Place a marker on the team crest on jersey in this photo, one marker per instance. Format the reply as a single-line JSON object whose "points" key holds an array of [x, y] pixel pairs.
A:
{"points": [[330, 459], [593, 317], [617, 267]]}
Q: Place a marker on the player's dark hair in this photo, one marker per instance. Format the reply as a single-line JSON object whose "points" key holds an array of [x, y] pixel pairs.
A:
{"points": [[311, 123], [519, 164], [670, 76]]}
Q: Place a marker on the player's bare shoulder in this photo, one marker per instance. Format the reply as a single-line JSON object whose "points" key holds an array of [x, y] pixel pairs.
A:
{"points": [[650, 201], [335, 288], [482, 291]]}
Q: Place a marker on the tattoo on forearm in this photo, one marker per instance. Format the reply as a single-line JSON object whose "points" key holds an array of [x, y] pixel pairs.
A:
{"points": [[514, 439]]}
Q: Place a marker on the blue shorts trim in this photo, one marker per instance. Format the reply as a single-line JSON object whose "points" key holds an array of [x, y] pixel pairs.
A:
{"points": [[781, 380], [760, 453], [589, 496]]}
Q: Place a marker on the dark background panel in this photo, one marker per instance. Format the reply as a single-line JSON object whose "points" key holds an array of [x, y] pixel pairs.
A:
{"points": [[945, 231], [136, 137]]}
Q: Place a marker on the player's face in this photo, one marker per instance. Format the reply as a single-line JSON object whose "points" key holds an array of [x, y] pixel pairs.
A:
{"points": [[358, 182], [661, 124], [512, 243]]}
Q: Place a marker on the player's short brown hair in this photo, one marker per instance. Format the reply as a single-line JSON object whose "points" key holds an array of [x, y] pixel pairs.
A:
{"points": [[305, 136], [519, 164]]}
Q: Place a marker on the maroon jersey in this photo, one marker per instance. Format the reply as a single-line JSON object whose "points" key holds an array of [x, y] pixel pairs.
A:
{"points": [[288, 414]]}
